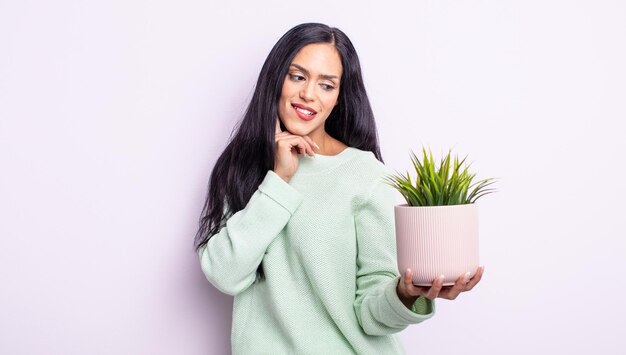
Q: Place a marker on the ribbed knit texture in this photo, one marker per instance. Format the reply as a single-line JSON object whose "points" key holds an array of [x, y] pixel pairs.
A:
{"points": [[327, 243]]}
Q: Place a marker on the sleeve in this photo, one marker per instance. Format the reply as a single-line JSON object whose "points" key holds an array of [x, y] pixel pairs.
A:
{"points": [[230, 258], [377, 305]]}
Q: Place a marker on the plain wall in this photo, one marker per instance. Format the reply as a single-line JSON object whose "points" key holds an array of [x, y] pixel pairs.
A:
{"points": [[112, 114]]}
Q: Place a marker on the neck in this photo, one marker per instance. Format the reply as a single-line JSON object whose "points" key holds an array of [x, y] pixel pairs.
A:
{"points": [[327, 144]]}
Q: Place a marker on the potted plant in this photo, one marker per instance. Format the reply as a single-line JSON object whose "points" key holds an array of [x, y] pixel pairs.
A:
{"points": [[437, 229]]}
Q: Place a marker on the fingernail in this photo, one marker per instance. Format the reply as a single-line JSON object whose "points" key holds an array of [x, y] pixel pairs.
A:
{"points": [[318, 147], [466, 277]]}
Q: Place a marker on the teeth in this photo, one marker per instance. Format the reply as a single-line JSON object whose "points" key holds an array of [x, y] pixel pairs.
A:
{"points": [[308, 113]]}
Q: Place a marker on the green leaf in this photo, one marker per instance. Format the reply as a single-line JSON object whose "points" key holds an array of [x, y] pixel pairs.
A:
{"points": [[446, 182]]}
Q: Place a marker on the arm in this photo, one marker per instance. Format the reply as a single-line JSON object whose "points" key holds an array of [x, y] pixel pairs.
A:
{"points": [[230, 258], [377, 305]]}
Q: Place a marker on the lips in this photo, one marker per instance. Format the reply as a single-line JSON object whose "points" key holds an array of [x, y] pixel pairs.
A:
{"points": [[304, 112]]}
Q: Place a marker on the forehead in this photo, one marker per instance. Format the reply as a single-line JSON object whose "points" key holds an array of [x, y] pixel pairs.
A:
{"points": [[319, 58]]}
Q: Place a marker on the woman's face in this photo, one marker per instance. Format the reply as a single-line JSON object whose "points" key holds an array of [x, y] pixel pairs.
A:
{"points": [[312, 83]]}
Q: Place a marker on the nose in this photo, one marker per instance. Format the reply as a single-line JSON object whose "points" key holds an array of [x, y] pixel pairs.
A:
{"points": [[307, 92]]}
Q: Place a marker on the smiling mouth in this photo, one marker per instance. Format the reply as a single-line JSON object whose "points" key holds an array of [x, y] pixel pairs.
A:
{"points": [[303, 111], [304, 114]]}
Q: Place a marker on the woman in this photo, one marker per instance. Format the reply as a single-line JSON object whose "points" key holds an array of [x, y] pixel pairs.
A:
{"points": [[298, 224]]}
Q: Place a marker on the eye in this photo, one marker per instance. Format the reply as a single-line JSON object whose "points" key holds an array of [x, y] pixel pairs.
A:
{"points": [[327, 87], [295, 77]]}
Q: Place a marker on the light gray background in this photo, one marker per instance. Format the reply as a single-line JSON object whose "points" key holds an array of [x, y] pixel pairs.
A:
{"points": [[112, 114]]}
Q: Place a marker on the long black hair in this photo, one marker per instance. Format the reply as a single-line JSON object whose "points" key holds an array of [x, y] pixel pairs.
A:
{"points": [[249, 155]]}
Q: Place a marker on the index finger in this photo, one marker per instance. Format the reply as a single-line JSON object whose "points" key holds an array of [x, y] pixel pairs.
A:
{"points": [[278, 130], [435, 288]]}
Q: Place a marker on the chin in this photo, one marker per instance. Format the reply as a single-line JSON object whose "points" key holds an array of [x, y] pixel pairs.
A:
{"points": [[299, 130]]}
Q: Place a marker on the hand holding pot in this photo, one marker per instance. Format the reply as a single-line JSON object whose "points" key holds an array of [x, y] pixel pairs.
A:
{"points": [[408, 292]]}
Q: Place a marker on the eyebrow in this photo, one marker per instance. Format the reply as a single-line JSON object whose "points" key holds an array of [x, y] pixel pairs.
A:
{"points": [[323, 76]]}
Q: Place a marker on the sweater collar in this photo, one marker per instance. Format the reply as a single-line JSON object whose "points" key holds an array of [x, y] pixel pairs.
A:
{"points": [[308, 165]]}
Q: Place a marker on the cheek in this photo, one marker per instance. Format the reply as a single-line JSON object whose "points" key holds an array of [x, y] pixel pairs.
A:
{"points": [[289, 88], [330, 101], [285, 98]]}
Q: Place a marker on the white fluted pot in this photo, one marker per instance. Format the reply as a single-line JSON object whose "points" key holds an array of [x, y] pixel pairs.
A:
{"points": [[437, 240]]}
